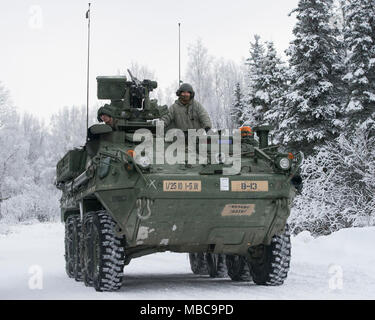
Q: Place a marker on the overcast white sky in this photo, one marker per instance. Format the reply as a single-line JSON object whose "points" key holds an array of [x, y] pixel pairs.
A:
{"points": [[43, 43]]}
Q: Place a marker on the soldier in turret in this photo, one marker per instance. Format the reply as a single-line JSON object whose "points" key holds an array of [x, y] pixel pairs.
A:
{"points": [[186, 112]]}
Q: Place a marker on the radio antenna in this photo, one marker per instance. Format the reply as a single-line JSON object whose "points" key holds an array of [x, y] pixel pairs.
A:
{"points": [[88, 17], [179, 54]]}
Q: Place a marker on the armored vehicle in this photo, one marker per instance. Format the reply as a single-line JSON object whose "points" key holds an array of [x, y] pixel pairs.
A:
{"points": [[119, 203]]}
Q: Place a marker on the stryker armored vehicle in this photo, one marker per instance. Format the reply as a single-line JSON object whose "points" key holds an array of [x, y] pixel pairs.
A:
{"points": [[119, 204]]}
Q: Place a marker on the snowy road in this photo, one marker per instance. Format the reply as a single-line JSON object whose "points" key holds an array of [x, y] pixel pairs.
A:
{"points": [[339, 266]]}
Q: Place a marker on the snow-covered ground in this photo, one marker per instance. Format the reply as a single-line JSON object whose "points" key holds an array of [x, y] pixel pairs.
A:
{"points": [[339, 266]]}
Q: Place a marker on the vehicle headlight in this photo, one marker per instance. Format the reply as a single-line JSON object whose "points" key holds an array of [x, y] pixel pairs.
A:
{"points": [[143, 161], [284, 163]]}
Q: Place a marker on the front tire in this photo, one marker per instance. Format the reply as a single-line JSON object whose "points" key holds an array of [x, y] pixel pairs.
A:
{"points": [[269, 265], [69, 246], [73, 236], [87, 249], [103, 253]]}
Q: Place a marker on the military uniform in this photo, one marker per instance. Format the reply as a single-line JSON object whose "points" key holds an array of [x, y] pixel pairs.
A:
{"points": [[187, 116]]}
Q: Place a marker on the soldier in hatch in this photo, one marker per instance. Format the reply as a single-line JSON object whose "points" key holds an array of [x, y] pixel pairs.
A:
{"points": [[106, 115], [186, 112]]}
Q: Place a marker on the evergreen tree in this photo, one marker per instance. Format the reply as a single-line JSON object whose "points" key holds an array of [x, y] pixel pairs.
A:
{"points": [[257, 99], [276, 85], [339, 68], [237, 107], [312, 102], [267, 83], [359, 35]]}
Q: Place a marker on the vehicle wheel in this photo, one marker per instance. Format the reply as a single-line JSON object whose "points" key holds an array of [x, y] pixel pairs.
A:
{"points": [[198, 263], [216, 265], [69, 246], [103, 253], [269, 265], [72, 247], [238, 268], [77, 236], [87, 249]]}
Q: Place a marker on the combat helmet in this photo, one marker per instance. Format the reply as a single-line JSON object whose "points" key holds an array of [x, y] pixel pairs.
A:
{"points": [[105, 110]]}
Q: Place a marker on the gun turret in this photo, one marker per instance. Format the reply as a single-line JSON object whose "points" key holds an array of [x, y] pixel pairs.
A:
{"points": [[130, 100]]}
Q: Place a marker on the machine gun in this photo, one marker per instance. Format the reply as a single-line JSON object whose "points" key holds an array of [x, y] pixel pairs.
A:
{"points": [[134, 79], [137, 93]]}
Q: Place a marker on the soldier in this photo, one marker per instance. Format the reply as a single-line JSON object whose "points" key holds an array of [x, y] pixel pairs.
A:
{"points": [[186, 112], [105, 114]]}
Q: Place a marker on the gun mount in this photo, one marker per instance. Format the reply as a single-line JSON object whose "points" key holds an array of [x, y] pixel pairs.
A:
{"points": [[130, 100]]}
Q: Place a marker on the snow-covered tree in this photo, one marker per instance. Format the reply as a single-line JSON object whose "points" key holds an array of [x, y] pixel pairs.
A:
{"points": [[339, 186], [225, 75], [68, 129], [257, 99], [266, 84], [11, 147], [359, 34], [5, 107], [275, 78], [213, 81], [199, 74], [170, 93], [312, 101], [141, 72], [237, 107], [26, 174]]}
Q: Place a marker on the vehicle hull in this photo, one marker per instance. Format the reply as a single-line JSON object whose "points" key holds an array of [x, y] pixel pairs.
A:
{"points": [[228, 222]]}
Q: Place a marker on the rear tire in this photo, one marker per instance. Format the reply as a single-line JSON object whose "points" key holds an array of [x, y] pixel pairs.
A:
{"points": [[198, 263], [269, 265], [103, 253], [216, 265], [238, 268]]}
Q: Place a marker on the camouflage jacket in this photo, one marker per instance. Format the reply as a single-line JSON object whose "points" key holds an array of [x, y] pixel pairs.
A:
{"points": [[184, 117]]}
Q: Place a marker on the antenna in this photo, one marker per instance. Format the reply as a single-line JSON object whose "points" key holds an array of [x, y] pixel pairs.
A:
{"points": [[179, 54], [88, 16]]}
